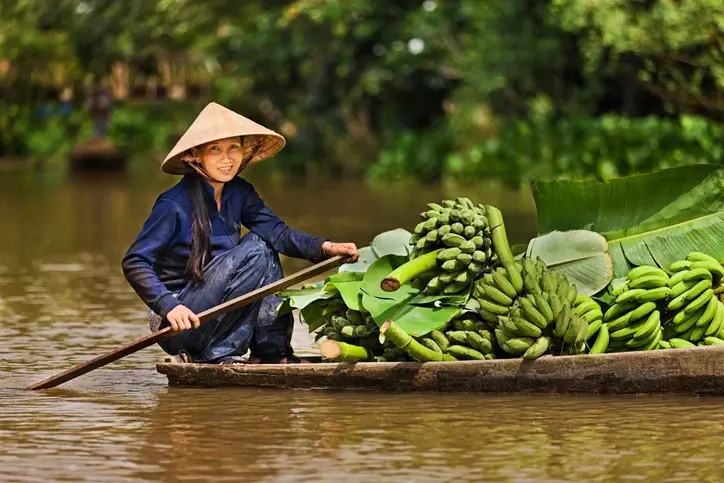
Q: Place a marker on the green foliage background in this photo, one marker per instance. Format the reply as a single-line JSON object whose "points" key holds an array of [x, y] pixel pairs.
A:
{"points": [[507, 89]]}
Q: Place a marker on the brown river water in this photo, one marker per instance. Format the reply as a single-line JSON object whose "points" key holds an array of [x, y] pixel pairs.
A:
{"points": [[63, 300]]}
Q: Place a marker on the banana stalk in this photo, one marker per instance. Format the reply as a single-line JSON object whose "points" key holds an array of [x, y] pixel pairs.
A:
{"points": [[343, 352], [502, 247], [409, 270], [404, 341]]}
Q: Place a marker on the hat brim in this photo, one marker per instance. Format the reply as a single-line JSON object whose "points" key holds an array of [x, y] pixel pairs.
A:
{"points": [[265, 145], [217, 122]]}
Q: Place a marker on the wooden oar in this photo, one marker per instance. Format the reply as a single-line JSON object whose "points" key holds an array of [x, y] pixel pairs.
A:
{"points": [[143, 342]]}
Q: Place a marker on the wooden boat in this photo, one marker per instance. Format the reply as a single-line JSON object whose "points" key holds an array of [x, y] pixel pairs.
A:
{"points": [[673, 371], [97, 155]]}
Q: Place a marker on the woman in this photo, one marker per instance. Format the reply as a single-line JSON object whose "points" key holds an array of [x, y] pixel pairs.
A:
{"points": [[189, 255]]}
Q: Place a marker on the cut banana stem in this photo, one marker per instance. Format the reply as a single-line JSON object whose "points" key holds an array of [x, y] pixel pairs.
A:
{"points": [[409, 270], [343, 352]]}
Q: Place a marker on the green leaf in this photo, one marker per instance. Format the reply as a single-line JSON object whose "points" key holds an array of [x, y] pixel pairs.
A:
{"points": [[392, 242], [300, 298], [580, 255], [379, 270], [349, 285], [417, 320], [649, 219], [366, 257], [312, 315]]}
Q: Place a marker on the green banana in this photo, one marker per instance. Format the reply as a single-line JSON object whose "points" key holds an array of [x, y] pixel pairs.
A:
{"points": [[562, 321], [676, 278], [555, 303], [492, 307], [664, 344], [464, 352], [699, 302], [700, 257], [709, 312], [691, 294], [530, 283], [588, 305], [644, 271], [602, 341], [655, 342], [713, 267], [496, 295], [573, 330], [680, 343], [593, 327], [641, 311], [680, 265], [653, 322], [572, 293], [713, 341], [653, 295], [645, 341], [537, 349], [440, 339], [630, 295], [688, 323], [680, 288], [619, 323], [431, 344], [520, 344], [516, 280], [503, 284], [523, 328], [697, 334], [698, 274], [718, 322], [617, 310], [532, 313], [592, 315], [544, 308], [648, 281], [548, 283]]}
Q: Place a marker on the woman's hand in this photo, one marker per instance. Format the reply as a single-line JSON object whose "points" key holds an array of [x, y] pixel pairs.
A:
{"points": [[348, 250], [181, 318]]}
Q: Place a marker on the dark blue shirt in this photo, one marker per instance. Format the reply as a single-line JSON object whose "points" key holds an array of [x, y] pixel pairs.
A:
{"points": [[155, 263]]}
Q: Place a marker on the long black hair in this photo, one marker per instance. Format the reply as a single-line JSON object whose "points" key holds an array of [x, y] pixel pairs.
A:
{"points": [[200, 225], [200, 230]]}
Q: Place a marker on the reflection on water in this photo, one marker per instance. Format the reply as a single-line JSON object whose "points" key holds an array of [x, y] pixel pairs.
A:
{"points": [[63, 299]]}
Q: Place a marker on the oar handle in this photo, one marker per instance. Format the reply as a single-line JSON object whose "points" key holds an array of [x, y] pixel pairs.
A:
{"points": [[143, 342]]}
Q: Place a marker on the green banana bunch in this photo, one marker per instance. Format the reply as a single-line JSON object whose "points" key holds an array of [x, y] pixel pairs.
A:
{"points": [[496, 291], [537, 316], [634, 321], [695, 312], [465, 337], [353, 327], [461, 229]]}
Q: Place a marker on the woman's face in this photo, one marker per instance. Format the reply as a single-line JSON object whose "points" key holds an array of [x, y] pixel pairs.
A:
{"points": [[221, 159]]}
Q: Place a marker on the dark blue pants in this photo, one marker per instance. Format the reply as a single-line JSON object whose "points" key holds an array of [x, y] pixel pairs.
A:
{"points": [[256, 327]]}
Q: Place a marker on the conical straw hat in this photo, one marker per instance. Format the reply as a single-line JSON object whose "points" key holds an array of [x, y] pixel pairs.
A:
{"points": [[216, 122]]}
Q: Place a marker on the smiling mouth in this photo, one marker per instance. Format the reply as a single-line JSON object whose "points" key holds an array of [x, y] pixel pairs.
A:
{"points": [[226, 169]]}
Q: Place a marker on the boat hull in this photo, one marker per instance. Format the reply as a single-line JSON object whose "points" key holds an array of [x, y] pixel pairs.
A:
{"points": [[674, 371]]}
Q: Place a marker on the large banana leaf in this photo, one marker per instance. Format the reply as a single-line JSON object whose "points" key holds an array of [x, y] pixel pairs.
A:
{"points": [[400, 306], [580, 255], [649, 219]]}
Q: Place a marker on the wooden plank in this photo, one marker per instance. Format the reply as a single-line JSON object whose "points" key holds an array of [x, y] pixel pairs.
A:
{"points": [[674, 371]]}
